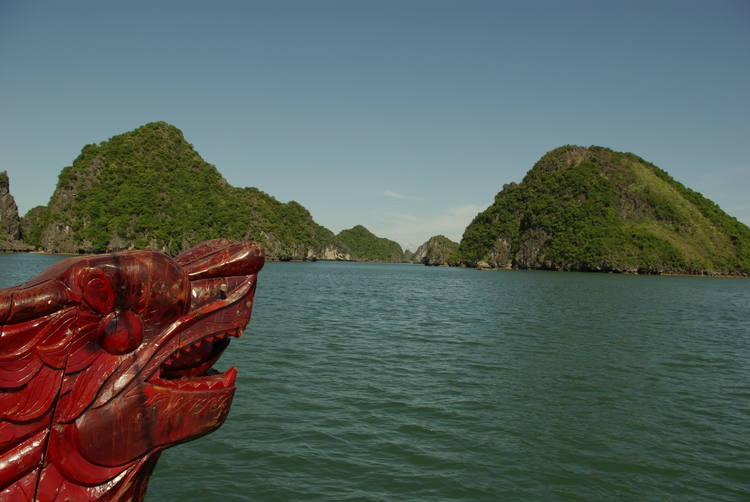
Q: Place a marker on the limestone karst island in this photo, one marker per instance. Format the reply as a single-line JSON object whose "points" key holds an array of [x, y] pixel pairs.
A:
{"points": [[584, 209]]}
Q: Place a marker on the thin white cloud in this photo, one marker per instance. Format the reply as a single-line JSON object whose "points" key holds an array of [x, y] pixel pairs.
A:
{"points": [[462, 212], [400, 196], [412, 230]]}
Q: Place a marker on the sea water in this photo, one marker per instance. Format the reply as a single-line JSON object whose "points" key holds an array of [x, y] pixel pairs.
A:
{"points": [[375, 382]]}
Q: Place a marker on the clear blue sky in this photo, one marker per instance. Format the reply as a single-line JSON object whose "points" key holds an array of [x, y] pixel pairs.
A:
{"points": [[404, 116]]}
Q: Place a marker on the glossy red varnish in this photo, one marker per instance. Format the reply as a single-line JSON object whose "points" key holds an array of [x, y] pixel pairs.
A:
{"points": [[106, 360]]}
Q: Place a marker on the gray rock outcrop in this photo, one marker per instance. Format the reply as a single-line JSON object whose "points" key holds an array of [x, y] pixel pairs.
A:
{"points": [[10, 223]]}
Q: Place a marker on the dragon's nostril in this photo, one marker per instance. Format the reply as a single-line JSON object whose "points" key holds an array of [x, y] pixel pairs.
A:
{"points": [[120, 332]]}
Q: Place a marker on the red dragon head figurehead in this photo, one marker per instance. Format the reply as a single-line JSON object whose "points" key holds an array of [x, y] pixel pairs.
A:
{"points": [[107, 360]]}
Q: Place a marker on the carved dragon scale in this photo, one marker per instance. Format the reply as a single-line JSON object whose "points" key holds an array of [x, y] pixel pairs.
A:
{"points": [[106, 360]]}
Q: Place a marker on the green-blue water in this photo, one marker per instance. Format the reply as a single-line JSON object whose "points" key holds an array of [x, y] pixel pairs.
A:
{"points": [[395, 382]]}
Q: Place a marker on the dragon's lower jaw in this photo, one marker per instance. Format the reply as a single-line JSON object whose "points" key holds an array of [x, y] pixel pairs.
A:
{"points": [[212, 380], [183, 399], [191, 367], [162, 413]]}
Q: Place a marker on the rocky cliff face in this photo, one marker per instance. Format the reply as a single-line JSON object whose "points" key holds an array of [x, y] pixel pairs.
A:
{"points": [[593, 209], [331, 252], [10, 223], [437, 251]]}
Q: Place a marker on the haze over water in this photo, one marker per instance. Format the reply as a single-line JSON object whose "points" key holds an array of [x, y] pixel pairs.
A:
{"points": [[398, 382]]}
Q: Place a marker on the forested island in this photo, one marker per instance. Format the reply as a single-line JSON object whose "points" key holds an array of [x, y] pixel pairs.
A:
{"points": [[438, 251], [585, 209], [366, 246], [594, 209], [149, 189]]}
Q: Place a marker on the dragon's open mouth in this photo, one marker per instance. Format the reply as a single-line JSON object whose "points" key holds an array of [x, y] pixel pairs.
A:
{"points": [[222, 277], [191, 366]]}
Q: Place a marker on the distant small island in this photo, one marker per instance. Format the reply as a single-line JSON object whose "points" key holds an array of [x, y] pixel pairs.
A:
{"points": [[363, 245], [583, 209], [438, 251]]}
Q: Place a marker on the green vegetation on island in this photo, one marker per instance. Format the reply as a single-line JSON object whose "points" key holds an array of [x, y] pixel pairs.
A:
{"points": [[366, 246], [149, 189], [587, 209], [594, 209], [32, 224], [437, 251]]}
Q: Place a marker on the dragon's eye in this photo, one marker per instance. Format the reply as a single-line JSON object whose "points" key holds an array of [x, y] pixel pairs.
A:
{"points": [[120, 332], [98, 291]]}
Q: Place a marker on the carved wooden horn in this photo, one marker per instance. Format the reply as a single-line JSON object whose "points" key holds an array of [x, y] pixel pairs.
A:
{"points": [[21, 304]]}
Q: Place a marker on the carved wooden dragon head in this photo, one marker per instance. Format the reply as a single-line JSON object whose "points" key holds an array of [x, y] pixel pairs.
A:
{"points": [[106, 360]]}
